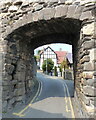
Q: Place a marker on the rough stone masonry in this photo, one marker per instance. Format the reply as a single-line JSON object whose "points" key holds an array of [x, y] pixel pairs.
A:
{"points": [[28, 24]]}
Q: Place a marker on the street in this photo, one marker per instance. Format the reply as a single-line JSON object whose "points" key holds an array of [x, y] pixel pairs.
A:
{"points": [[52, 100]]}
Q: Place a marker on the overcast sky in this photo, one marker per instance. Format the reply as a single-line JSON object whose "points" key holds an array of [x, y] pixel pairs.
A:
{"points": [[56, 47]]}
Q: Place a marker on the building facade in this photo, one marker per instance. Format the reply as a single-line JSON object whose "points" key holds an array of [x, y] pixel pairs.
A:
{"points": [[56, 56], [48, 53]]}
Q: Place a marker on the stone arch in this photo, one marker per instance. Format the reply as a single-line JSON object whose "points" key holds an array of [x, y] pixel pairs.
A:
{"points": [[25, 23]]}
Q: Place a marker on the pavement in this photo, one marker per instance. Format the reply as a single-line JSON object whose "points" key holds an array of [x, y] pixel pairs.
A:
{"points": [[52, 100]]}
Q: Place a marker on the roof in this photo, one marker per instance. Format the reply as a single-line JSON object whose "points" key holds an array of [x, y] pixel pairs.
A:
{"points": [[69, 57], [46, 49], [60, 56]]}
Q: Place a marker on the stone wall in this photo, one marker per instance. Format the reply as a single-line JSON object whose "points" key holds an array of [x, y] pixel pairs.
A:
{"points": [[19, 77], [85, 69], [26, 25]]}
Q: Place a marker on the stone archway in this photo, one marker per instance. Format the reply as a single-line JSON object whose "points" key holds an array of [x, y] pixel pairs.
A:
{"points": [[27, 25]]}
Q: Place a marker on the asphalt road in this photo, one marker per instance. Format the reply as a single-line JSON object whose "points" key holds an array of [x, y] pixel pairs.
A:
{"points": [[52, 100]]}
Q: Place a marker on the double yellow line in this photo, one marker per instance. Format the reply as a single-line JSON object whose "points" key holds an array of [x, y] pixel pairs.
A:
{"points": [[20, 114], [69, 99]]}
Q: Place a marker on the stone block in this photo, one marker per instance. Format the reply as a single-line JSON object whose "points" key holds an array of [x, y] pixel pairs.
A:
{"points": [[13, 8], [19, 92], [35, 16], [12, 101], [4, 105], [68, 2], [88, 29], [93, 54], [9, 68], [71, 11], [88, 75], [13, 49], [88, 44], [14, 82], [7, 77], [78, 12], [85, 99], [88, 66], [85, 59], [91, 82], [90, 110], [38, 7], [93, 102], [40, 15], [6, 83], [86, 15], [22, 21], [48, 13], [8, 94], [20, 76], [21, 84], [19, 98], [62, 1], [61, 10], [8, 88], [89, 91], [21, 66], [30, 17], [83, 81], [19, 23]]}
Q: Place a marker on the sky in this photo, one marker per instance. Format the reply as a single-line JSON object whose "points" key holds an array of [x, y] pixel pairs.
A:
{"points": [[56, 47]]}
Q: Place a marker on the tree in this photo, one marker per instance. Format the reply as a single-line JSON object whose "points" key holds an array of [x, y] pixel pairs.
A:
{"points": [[55, 71], [48, 65], [60, 69], [39, 52], [64, 65], [37, 57]]}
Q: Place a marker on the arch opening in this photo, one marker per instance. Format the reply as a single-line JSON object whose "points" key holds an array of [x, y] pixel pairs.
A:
{"points": [[61, 56], [20, 64]]}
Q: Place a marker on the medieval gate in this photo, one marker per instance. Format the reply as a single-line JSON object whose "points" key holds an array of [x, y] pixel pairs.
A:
{"points": [[26, 25]]}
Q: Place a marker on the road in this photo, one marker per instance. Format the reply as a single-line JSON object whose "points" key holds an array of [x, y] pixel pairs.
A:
{"points": [[52, 101]]}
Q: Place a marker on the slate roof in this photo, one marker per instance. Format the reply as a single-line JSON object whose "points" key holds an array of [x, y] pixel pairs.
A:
{"points": [[69, 57], [61, 55]]}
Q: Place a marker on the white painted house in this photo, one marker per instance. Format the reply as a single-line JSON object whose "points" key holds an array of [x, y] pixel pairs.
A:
{"points": [[48, 53]]}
